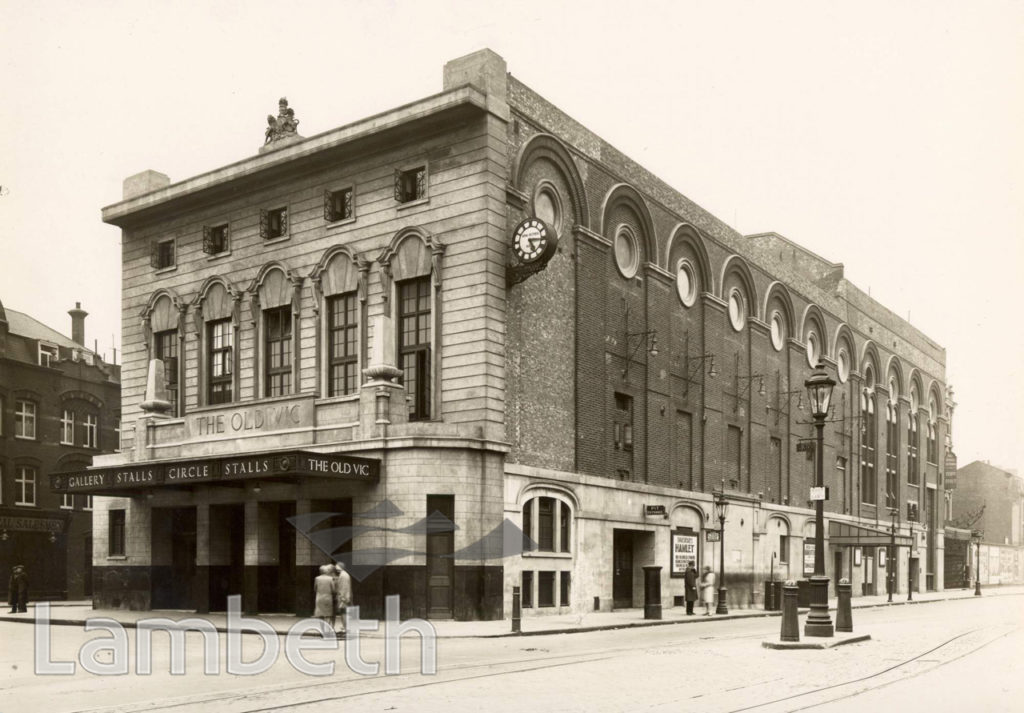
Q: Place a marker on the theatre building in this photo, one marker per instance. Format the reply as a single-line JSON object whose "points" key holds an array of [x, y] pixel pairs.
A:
{"points": [[399, 341]]}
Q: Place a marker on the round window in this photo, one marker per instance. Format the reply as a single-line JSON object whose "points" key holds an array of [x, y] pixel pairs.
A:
{"points": [[626, 254], [843, 365], [737, 309], [778, 331], [546, 207], [813, 348], [686, 284]]}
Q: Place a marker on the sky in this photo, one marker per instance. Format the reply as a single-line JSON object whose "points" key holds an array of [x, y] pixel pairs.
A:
{"points": [[886, 136]]}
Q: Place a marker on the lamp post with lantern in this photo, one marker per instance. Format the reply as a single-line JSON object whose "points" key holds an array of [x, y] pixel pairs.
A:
{"points": [[976, 538], [819, 389], [721, 508]]}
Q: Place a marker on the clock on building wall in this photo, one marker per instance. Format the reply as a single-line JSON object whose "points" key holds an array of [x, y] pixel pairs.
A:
{"points": [[534, 243]]}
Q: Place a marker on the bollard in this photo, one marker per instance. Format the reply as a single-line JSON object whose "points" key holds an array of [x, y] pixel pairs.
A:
{"points": [[790, 621], [844, 614], [652, 592], [516, 611]]}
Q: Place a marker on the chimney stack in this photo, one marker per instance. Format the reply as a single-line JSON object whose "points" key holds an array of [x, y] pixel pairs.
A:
{"points": [[78, 316]]}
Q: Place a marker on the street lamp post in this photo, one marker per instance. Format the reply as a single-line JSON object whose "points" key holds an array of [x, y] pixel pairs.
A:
{"points": [[819, 389], [976, 536], [890, 575], [910, 562], [721, 508]]}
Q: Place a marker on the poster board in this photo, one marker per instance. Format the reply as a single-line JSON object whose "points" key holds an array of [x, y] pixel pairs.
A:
{"points": [[683, 551]]}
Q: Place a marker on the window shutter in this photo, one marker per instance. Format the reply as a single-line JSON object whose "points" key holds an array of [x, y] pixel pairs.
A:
{"points": [[328, 212], [154, 255], [346, 205], [398, 186], [208, 246], [421, 183], [264, 224]]}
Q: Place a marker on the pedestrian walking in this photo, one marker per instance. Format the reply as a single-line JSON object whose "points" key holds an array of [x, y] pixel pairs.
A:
{"points": [[343, 594], [18, 594], [324, 590], [707, 589], [690, 580]]}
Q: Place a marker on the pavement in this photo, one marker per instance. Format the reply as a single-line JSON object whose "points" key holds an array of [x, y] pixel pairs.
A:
{"points": [[75, 613]]}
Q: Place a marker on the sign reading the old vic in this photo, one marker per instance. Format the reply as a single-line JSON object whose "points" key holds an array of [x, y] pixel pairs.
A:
{"points": [[290, 463]]}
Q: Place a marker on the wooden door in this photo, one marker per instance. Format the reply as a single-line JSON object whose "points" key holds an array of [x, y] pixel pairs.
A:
{"points": [[622, 569], [440, 563]]}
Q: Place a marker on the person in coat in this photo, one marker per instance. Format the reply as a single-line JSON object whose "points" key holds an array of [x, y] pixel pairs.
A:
{"points": [[343, 594], [324, 591], [18, 596], [690, 580], [707, 589]]}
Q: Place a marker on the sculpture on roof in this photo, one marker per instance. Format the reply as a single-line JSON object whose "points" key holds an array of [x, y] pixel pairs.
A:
{"points": [[283, 125]]}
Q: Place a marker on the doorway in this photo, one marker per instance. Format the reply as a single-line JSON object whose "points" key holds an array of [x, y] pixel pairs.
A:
{"points": [[227, 553], [174, 557], [622, 569], [440, 562]]}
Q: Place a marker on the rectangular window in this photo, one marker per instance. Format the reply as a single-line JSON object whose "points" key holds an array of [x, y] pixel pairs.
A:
{"points": [[868, 485], [24, 419], [526, 596], [546, 589], [90, 429], [215, 239], [67, 427], [25, 485], [775, 463], [88, 503], [343, 343], [733, 453], [783, 549], [338, 205], [277, 342], [546, 524], [912, 511], [67, 501], [163, 254], [563, 594], [623, 425], [414, 334], [411, 185], [47, 355], [274, 223], [165, 348], [116, 532], [565, 524], [219, 360]]}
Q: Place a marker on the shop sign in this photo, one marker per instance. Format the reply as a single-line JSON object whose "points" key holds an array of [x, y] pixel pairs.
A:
{"points": [[808, 556], [949, 468], [295, 463], [684, 551], [16, 523], [713, 535], [654, 510], [250, 420]]}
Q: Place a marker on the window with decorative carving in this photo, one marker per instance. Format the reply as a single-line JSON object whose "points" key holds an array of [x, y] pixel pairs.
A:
{"points": [[414, 336], [215, 239], [273, 223], [165, 348], [343, 341], [163, 256], [411, 184], [892, 449], [339, 205], [277, 327], [219, 359]]}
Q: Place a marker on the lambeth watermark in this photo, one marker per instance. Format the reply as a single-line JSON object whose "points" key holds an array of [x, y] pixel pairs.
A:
{"points": [[109, 655]]}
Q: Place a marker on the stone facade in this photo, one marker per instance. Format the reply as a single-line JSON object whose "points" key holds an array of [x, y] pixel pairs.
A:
{"points": [[597, 404]]}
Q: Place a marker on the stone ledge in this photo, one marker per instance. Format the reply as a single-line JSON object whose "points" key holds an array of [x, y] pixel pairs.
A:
{"points": [[817, 643]]}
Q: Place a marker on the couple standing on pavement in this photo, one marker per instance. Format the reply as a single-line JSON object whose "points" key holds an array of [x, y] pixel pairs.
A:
{"points": [[707, 586], [332, 591]]}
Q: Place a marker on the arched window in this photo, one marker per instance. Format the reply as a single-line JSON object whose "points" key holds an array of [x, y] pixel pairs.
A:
{"points": [[913, 436], [216, 312], [868, 438], [892, 449], [547, 542]]}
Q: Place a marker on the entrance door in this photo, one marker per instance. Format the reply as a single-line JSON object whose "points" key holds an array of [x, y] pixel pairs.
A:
{"points": [[869, 572], [440, 563], [622, 569], [183, 557]]}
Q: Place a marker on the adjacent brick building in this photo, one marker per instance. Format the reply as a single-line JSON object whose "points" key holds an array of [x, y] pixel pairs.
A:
{"points": [[378, 292], [59, 406]]}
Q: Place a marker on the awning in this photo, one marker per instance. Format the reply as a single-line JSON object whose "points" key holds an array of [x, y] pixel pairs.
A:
{"points": [[847, 535], [224, 470]]}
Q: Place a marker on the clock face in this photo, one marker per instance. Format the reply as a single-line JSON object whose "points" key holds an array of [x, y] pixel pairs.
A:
{"points": [[530, 239]]}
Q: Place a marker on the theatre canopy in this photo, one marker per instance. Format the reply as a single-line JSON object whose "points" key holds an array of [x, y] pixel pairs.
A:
{"points": [[844, 534]]}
